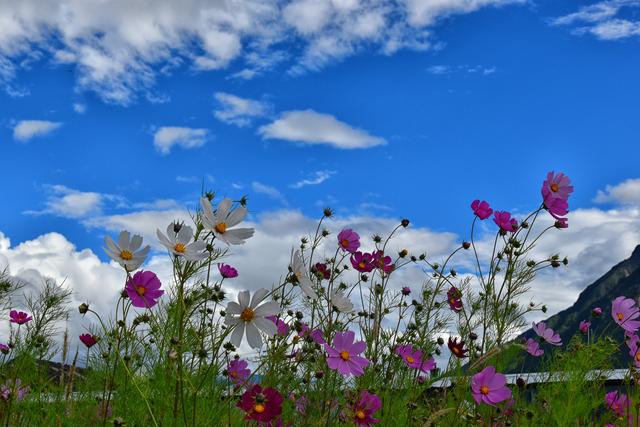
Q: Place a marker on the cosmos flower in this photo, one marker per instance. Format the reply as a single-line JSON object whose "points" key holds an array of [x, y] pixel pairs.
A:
{"points": [[127, 252], [414, 358], [405, 291], [88, 340], [221, 221], [504, 221], [252, 317], [13, 390], [481, 209], [302, 278], [227, 271], [596, 312], [558, 208], [489, 387], [547, 334], [634, 349], [556, 186], [454, 298], [343, 356], [282, 327], [19, 317], [238, 371], [618, 403], [348, 240], [457, 348], [322, 271], [4, 349], [177, 242], [533, 348], [584, 326], [363, 262], [382, 262], [624, 312], [261, 404], [340, 301], [144, 289], [364, 408], [316, 335]]}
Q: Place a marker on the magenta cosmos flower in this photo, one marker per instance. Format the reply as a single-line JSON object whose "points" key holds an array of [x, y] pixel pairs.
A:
{"points": [[454, 298], [405, 290], [584, 326], [88, 340], [624, 312], [363, 262], [556, 187], [634, 348], [227, 271], [596, 312], [533, 348], [382, 262], [481, 209], [348, 240], [11, 390], [4, 349], [19, 317], [316, 334], [504, 221], [238, 371], [283, 328], [261, 404], [343, 357], [365, 407], [489, 387], [558, 208], [144, 289], [457, 348], [414, 358], [618, 403], [547, 334]]}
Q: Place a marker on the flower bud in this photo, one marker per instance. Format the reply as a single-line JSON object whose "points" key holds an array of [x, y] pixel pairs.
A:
{"points": [[327, 212], [440, 341], [520, 382], [404, 223], [466, 245], [83, 308], [403, 253]]}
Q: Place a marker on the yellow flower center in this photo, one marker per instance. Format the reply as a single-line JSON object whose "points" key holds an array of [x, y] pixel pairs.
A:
{"points": [[360, 414], [298, 274], [484, 389], [555, 187], [344, 243], [126, 255], [344, 355], [259, 408], [410, 359], [140, 290], [221, 228], [247, 315], [620, 316], [456, 350], [362, 264], [638, 356], [179, 247], [233, 374]]}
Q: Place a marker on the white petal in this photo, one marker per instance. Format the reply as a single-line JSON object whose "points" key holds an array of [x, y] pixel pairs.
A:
{"points": [[307, 287], [233, 308], [185, 235], [236, 335], [270, 308], [143, 252], [231, 320], [223, 210], [111, 244], [170, 232], [164, 240], [207, 213], [136, 242], [124, 239], [258, 296], [266, 326], [243, 298], [253, 336], [236, 217], [237, 236]]}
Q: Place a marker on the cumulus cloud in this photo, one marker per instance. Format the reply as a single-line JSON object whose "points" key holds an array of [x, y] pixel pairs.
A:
{"points": [[318, 178], [268, 191], [166, 137], [239, 111], [310, 127], [604, 20], [70, 203], [24, 130], [119, 47], [625, 193]]}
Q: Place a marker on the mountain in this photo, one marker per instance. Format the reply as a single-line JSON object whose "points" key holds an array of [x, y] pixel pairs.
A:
{"points": [[622, 279]]}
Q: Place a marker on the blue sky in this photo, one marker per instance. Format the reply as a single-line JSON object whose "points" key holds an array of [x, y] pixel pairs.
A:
{"points": [[494, 98]]}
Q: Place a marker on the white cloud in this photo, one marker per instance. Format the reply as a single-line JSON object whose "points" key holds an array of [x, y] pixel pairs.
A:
{"points": [[311, 127], [318, 178], [80, 108], [70, 203], [625, 193], [118, 48], [24, 130], [166, 137], [602, 20], [268, 191], [239, 111], [440, 70]]}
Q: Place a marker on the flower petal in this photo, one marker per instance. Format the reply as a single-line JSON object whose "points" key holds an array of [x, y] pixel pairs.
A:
{"points": [[253, 336]]}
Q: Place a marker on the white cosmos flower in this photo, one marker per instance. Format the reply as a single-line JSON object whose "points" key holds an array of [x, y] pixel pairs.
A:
{"points": [[341, 302], [126, 252], [250, 316], [177, 241], [300, 271], [223, 219]]}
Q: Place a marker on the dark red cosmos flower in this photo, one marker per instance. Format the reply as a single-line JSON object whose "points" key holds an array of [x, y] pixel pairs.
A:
{"points": [[322, 270], [457, 348], [88, 340], [261, 404], [454, 298], [384, 263]]}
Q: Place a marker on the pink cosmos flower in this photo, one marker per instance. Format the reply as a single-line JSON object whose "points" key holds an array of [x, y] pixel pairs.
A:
{"points": [[481, 209], [4, 349], [504, 221], [11, 390], [144, 289], [584, 326], [414, 358], [624, 312], [489, 387], [556, 186], [283, 328], [316, 335], [533, 348], [383, 262], [363, 262], [238, 371], [348, 240], [405, 291], [261, 404], [618, 403], [454, 298], [88, 340], [19, 317], [366, 406], [301, 405], [547, 334], [558, 208], [634, 348], [227, 271], [596, 312], [343, 357]]}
